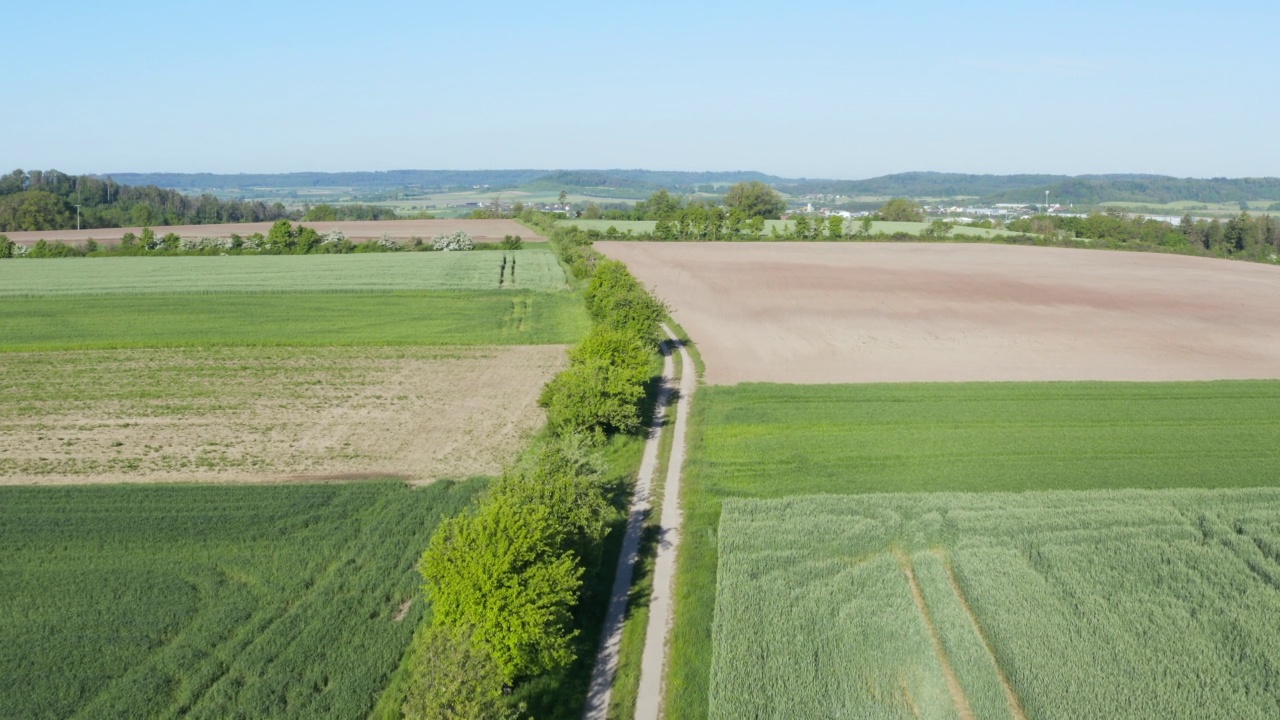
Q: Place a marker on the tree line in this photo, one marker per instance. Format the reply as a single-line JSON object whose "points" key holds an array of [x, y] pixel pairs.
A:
{"points": [[1249, 237], [505, 579], [47, 200]]}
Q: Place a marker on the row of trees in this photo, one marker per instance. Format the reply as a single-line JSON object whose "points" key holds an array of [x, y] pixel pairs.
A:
{"points": [[505, 578], [284, 238], [746, 200], [47, 200], [1254, 237]]}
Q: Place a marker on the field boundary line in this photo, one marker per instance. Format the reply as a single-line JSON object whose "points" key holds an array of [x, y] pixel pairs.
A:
{"points": [[1015, 704], [600, 690], [958, 698], [653, 663]]}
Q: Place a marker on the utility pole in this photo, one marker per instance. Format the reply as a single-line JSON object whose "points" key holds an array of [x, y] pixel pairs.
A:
{"points": [[77, 217]]}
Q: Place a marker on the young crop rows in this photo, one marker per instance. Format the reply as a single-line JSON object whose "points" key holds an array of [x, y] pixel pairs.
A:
{"points": [[371, 272], [209, 601], [1045, 605]]}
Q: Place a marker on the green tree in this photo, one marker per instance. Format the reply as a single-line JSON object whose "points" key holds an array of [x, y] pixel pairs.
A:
{"points": [[6, 247], [564, 197], [664, 230], [35, 210], [756, 226], [280, 239], [451, 678], [1213, 236], [592, 212], [901, 210], [835, 227], [660, 205], [499, 573], [801, 227], [603, 387], [755, 199], [864, 226], [937, 230], [321, 213]]}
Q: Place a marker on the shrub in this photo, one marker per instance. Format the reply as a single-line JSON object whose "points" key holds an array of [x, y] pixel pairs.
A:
{"points": [[459, 240], [452, 678], [603, 387], [57, 249], [387, 243], [6, 246], [500, 571], [616, 299], [565, 476]]}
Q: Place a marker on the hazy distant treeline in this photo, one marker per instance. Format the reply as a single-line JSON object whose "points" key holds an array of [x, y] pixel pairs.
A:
{"points": [[47, 200]]}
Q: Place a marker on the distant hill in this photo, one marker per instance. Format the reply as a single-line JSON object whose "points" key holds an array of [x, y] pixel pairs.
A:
{"points": [[1153, 189], [1080, 190], [926, 184], [389, 179]]}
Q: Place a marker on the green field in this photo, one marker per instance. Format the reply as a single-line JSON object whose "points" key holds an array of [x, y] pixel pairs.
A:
{"points": [[1096, 604], [910, 228], [536, 270], [400, 318], [209, 601], [769, 441]]}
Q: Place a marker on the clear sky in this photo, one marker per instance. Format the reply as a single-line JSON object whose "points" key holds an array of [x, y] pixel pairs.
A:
{"points": [[817, 89]]}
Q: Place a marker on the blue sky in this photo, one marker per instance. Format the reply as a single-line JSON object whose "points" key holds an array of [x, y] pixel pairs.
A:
{"points": [[820, 89]]}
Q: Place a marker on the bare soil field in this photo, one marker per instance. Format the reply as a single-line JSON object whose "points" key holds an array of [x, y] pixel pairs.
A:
{"points": [[268, 414], [481, 230], [911, 312]]}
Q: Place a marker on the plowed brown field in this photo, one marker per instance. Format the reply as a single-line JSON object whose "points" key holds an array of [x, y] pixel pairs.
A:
{"points": [[907, 312], [482, 230]]}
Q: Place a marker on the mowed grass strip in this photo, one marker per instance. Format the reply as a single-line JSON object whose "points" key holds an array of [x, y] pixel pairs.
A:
{"points": [[1116, 604], [535, 269], [399, 318], [209, 601], [778, 440]]}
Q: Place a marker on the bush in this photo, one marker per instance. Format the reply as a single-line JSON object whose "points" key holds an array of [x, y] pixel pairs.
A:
{"points": [[6, 247], [58, 249], [617, 300], [603, 387], [452, 678], [500, 571], [459, 240], [565, 476]]}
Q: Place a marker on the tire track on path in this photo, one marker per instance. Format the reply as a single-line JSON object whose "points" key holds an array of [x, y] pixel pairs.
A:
{"points": [[606, 667], [654, 661]]}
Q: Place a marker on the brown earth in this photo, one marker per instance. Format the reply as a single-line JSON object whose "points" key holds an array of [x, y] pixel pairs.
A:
{"points": [[908, 312], [481, 230], [268, 414]]}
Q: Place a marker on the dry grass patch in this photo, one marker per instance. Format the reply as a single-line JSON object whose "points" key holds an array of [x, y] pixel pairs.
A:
{"points": [[253, 414]]}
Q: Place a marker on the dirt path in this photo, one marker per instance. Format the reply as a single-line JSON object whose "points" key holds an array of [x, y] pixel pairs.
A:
{"points": [[653, 663], [606, 668]]}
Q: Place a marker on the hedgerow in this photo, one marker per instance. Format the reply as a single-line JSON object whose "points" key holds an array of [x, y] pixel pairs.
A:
{"points": [[508, 575]]}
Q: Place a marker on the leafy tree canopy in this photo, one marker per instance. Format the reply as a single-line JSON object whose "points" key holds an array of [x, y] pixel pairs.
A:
{"points": [[755, 199]]}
